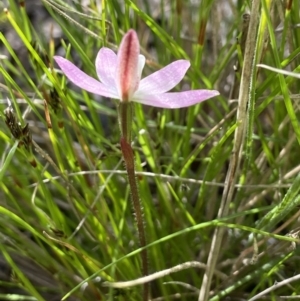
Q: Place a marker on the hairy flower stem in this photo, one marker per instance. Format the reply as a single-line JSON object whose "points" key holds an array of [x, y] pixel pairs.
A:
{"points": [[125, 118]]}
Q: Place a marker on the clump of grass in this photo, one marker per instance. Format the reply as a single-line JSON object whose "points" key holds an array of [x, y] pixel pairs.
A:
{"points": [[219, 181]]}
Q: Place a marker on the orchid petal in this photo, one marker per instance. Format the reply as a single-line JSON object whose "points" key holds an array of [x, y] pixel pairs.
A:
{"points": [[106, 65], [142, 61], [164, 79], [82, 80], [174, 100], [127, 78]]}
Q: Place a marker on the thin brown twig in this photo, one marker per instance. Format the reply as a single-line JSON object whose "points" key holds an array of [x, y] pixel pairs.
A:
{"points": [[163, 273], [236, 157], [275, 287]]}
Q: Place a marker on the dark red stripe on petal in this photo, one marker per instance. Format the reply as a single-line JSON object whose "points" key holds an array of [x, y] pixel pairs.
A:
{"points": [[127, 70]]}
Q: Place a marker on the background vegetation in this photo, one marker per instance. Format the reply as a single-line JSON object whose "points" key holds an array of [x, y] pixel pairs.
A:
{"points": [[230, 163]]}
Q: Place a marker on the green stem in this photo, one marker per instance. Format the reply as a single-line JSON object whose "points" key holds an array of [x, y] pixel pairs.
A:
{"points": [[125, 118]]}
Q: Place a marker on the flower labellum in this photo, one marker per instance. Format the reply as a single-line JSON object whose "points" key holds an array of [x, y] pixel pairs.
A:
{"points": [[127, 73], [120, 78]]}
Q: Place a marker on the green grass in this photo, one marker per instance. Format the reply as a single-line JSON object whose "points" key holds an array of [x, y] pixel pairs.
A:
{"points": [[224, 172]]}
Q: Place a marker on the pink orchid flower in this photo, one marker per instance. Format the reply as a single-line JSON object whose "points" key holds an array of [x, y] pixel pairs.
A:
{"points": [[120, 78]]}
